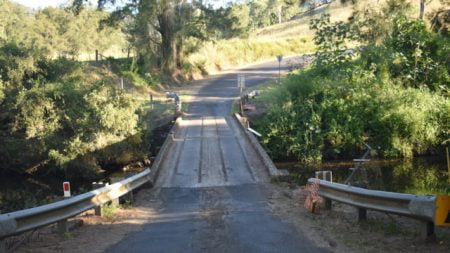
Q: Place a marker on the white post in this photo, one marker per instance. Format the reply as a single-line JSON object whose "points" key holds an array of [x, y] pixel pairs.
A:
{"points": [[279, 14], [62, 224], [279, 59], [66, 189], [151, 101]]}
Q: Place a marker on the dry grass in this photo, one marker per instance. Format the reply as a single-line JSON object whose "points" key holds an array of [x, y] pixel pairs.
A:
{"points": [[300, 26], [289, 38]]}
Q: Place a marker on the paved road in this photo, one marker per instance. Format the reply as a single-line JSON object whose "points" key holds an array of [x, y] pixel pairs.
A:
{"points": [[212, 195]]}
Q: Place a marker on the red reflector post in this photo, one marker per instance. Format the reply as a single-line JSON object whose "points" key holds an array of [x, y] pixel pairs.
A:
{"points": [[66, 188]]}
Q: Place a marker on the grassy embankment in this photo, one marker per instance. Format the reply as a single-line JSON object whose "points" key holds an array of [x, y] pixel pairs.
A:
{"points": [[289, 38]]}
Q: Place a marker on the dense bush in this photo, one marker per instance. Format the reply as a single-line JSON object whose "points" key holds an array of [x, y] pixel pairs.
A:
{"points": [[326, 118], [392, 96], [63, 117], [58, 31]]}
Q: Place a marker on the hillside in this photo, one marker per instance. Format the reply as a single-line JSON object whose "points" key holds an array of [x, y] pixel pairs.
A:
{"points": [[288, 38], [300, 25]]}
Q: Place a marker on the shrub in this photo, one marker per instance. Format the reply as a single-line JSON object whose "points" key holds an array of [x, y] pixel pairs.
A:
{"points": [[326, 118], [388, 95], [62, 117]]}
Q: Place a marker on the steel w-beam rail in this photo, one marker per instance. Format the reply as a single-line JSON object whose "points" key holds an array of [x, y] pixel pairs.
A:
{"points": [[24, 220], [421, 207]]}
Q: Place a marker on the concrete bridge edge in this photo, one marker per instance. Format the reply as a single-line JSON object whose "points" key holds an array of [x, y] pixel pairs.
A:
{"points": [[273, 171], [162, 154]]}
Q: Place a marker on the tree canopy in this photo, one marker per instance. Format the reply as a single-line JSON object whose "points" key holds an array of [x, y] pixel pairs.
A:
{"points": [[57, 32]]}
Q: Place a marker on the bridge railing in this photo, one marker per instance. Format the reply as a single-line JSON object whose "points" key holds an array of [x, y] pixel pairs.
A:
{"points": [[420, 207], [21, 221]]}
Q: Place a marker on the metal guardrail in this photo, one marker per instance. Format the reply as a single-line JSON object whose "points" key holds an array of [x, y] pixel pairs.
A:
{"points": [[420, 207], [24, 220]]}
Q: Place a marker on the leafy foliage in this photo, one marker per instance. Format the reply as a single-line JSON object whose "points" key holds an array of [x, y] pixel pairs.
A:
{"points": [[331, 41], [390, 95], [56, 31], [421, 57], [57, 116]]}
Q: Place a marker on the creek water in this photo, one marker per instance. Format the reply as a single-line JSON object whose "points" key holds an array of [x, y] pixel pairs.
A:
{"points": [[25, 191], [425, 175]]}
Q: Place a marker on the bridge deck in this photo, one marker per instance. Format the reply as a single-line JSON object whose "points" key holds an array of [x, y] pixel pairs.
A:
{"points": [[210, 151]]}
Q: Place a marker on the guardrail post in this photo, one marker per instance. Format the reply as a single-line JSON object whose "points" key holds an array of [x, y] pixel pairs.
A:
{"points": [[115, 202], [328, 204], [362, 214], [2, 246], [129, 197], [98, 209], [428, 230], [62, 226]]}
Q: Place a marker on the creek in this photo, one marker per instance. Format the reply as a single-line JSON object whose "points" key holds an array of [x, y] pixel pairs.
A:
{"points": [[26, 191], [424, 175]]}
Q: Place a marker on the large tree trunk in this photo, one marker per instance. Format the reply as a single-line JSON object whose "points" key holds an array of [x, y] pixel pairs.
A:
{"points": [[180, 54], [168, 42]]}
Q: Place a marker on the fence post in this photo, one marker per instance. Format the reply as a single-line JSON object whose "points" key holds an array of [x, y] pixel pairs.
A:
{"points": [[96, 55], [362, 214]]}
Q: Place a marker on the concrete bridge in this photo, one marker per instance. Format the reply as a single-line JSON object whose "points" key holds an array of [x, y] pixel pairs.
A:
{"points": [[212, 182]]}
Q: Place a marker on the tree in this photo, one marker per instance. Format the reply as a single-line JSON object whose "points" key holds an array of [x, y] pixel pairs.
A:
{"points": [[159, 28], [239, 15], [268, 12], [57, 32]]}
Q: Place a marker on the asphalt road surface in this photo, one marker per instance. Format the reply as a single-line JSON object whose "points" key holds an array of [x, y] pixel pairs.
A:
{"points": [[212, 193]]}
